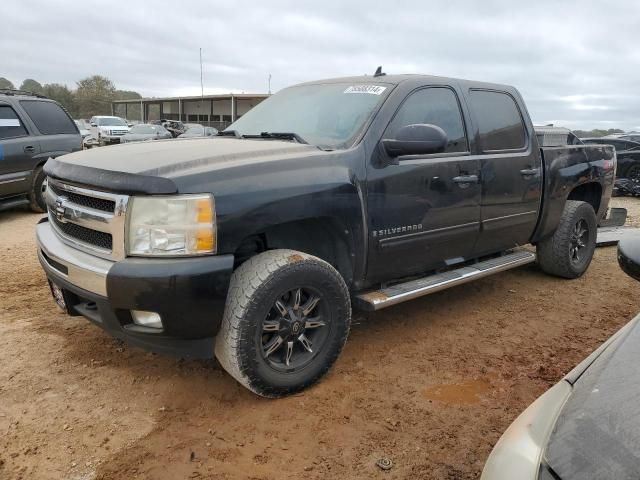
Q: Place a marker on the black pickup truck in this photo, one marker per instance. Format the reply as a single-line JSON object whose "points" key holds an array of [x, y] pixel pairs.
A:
{"points": [[254, 245]]}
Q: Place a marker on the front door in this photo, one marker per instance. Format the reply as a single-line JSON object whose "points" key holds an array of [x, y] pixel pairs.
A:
{"points": [[510, 172], [423, 210]]}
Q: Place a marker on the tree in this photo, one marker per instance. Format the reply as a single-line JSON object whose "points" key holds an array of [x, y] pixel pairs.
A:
{"points": [[62, 95], [30, 85], [596, 132], [94, 96], [4, 83], [126, 95]]}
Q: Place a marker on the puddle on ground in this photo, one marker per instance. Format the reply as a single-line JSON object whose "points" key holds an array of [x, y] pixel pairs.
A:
{"points": [[463, 393]]}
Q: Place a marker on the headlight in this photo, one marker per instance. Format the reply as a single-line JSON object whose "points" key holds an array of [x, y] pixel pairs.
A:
{"points": [[518, 453], [172, 226]]}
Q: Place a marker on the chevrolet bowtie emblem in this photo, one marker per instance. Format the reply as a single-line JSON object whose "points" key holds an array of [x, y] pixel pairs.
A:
{"points": [[60, 209]]}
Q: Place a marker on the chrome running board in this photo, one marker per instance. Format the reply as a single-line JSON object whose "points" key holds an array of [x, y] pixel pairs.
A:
{"points": [[385, 297]]}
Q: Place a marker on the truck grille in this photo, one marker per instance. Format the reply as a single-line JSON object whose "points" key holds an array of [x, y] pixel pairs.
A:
{"points": [[86, 235], [89, 220], [85, 201], [118, 132]]}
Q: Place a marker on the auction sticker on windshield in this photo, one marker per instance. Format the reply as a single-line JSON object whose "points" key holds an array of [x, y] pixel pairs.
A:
{"points": [[370, 89]]}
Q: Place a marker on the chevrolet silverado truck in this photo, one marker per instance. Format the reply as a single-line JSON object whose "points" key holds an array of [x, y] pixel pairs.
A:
{"points": [[253, 246]]}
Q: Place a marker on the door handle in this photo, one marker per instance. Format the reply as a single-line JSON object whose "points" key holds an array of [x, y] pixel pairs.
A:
{"points": [[465, 179], [529, 172], [29, 149]]}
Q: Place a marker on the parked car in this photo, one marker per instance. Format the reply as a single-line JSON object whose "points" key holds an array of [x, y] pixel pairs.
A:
{"points": [[587, 425], [176, 127], [199, 131], [634, 137], [108, 130], [363, 191], [84, 128], [33, 128], [144, 132], [628, 154]]}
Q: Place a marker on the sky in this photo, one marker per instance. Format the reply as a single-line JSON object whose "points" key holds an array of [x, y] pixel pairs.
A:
{"points": [[577, 63]]}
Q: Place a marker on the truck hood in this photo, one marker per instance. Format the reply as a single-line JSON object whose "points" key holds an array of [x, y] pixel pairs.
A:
{"points": [[170, 158], [152, 167], [597, 434]]}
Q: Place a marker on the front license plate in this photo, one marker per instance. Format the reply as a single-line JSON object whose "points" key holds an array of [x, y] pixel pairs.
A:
{"points": [[58, 296]]}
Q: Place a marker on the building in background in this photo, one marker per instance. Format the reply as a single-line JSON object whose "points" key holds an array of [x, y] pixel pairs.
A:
{"points": [[217, 111]]}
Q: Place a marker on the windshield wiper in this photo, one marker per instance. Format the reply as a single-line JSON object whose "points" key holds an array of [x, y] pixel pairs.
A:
{"points": [[228, 133], [279, 136]]}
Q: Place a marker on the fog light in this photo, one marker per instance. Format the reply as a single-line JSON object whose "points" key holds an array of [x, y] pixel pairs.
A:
{"points": [[146, 319]]}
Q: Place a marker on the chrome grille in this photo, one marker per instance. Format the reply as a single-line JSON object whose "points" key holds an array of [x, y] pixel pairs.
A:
{"points": [[85, 201], [89, 220]]}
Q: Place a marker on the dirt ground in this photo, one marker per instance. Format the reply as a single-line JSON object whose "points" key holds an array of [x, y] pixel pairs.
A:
{"points": [[430, 384]]}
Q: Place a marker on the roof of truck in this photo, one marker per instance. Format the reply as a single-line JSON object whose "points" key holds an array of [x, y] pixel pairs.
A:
{"points": [[400, 78]]}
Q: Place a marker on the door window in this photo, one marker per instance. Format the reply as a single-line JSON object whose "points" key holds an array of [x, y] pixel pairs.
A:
{"points": [[10, 124], [499, 121], [436, 106], [49, 117]]}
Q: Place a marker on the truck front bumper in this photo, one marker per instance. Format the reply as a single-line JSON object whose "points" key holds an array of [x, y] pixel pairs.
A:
{"points": [[189, 294]]}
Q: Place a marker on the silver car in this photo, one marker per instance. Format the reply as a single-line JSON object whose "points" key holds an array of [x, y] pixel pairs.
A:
{"points": [[144, 132], [587, 426]]}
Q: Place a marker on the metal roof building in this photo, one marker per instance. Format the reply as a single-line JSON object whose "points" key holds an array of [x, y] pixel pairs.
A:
{"points": [[212, 110]]}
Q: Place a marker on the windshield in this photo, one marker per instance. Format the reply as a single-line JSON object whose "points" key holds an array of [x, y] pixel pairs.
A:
{"points": [[152, 129], [112, 122], [328, 115]]}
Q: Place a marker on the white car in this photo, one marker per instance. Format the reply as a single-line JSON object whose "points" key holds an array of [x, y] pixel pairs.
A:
{"points": [[107, 130]]}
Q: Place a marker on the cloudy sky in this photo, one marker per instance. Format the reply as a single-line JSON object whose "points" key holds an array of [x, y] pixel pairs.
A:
{"points": [[577, 63]]}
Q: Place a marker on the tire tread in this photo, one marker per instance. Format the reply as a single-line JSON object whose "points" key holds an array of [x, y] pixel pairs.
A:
{"points": [[258, 272]]}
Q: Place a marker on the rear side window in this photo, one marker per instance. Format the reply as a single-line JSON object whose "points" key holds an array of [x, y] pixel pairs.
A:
{"points": [[499, 121], [436, 106], [49, 117], [10, 124]]}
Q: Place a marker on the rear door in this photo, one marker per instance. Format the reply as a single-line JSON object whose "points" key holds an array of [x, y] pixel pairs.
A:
{"points": [[59, 133], [510, 171], [422, 216], [17, 152]]}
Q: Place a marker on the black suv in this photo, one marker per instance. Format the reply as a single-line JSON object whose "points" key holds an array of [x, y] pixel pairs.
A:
{"points": [[33, 129]]}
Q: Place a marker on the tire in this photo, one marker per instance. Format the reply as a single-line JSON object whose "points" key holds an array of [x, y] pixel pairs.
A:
{"points": [[566, 253], [36, 195], [247, 344]]}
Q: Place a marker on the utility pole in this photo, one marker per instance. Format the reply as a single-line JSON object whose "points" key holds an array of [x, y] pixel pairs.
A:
{"points": [[201, 89], [201, 82], [269, 84]]}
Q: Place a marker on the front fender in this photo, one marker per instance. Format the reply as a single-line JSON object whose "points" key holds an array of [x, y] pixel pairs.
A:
{"points": [[251, 199]]}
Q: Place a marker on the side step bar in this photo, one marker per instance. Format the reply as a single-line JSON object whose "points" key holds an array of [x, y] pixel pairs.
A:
{"points": [[378, 299]]}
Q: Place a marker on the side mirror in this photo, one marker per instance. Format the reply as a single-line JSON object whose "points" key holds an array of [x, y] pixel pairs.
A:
{"points": [[417, 139], [629, 256], [94, 124]]}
